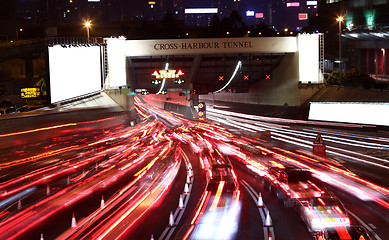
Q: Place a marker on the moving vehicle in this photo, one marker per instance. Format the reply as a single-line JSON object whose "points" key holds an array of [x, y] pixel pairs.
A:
{"points": [[222, 172], [290, 184], [323, 213], [343, 233]]}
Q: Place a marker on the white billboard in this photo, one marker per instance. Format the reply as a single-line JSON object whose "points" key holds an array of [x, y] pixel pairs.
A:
{"points": [[116, 62], [350, 112], [308, 50], [74, 71]]}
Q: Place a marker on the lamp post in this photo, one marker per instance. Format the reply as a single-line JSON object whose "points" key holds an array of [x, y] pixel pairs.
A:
{"points": [[87, 25], [340, 20]]}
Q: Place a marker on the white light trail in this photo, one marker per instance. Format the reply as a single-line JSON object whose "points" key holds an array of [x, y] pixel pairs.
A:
{"points": [[164, 80], [232, 77]]}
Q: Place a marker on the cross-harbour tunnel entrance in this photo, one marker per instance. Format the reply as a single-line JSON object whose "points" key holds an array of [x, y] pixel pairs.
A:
{"points": [[273, 66]]}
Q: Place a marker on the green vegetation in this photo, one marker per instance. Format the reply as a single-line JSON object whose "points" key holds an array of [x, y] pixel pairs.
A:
{"points": [[356, 78]]}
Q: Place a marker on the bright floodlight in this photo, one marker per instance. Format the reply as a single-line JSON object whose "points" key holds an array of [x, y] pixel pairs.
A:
{"points": [[87, 24], [200, 10], [339, 19]]}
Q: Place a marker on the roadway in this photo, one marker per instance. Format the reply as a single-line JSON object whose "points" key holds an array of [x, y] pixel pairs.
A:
{"points": [[155, 177]]}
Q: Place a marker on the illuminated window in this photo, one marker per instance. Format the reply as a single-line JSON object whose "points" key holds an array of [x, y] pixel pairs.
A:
{"points": [[303, 16], [259, 15], [293, 4]]}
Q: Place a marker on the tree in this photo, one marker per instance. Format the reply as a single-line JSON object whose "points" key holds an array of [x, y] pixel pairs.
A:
{"points": [[168, 20], [215, 21], [236, 19]]}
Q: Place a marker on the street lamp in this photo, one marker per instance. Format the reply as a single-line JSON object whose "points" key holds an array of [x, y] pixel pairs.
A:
{"points": [[340, 20], [87, 24]]}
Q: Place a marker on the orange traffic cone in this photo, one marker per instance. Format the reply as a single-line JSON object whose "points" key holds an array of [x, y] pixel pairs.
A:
{"points": [[260, 201], [268, 222], [186, 188], [171, 219], [102, 202], [74, 223], [19, 204], [181, 202], [270, 236]]}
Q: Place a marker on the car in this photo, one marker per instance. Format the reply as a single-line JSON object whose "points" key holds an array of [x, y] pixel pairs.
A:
{"points": [[351, 232], [290, 184], [222, 172], [323, 213]]}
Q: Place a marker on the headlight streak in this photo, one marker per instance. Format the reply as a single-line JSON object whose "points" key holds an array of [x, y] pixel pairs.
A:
{"points": [[309, 145], [353, 189], [304, 134], [56, 195]]}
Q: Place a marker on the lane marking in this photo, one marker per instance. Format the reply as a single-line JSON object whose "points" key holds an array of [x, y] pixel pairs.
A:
{"points": [[262, 210], [178, 213], [364, 224]]}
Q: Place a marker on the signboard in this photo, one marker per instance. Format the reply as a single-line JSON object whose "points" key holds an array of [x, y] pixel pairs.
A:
{"points": [[209, 46], [167, 74], [32, 92], [319, 146]]}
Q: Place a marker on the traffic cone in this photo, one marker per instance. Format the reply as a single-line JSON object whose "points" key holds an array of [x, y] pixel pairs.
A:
{"points": [[19, 204], [74, 223], [260, 201], [102, 202], [187, 178], [42, 236], [68, 181], [171, 219], [190, 173], [186, 188], [152, 237], [270, 236], [268, 222], [181, 202], [47, 190], [97, 166]]}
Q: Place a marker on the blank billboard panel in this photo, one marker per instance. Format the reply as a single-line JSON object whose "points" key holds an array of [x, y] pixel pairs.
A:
{"points": [[350, 112], [74, 71]]}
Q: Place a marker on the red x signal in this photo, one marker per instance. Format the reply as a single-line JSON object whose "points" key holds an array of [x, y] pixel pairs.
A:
{"points": [[246, 77], [221, 78], [229, 90], [267, 76]]}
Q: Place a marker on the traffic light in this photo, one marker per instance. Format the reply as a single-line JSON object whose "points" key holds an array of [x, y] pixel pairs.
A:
{"points": [[201, 111], [163, 92], [145, 92]]}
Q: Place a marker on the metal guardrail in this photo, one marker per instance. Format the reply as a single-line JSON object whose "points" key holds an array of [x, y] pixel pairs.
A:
{"points": [[75, 41]]}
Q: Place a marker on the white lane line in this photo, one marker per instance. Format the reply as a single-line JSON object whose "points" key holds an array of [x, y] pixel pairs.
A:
{"points": [[364, 224], [262, 210], [372, 226], [179, 211]]}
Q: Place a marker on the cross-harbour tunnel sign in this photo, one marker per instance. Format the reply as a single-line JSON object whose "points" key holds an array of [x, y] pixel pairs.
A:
{"points": [[210, 46]]}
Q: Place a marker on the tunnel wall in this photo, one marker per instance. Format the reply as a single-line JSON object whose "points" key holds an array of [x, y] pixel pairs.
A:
{"points": [[281, 89]]}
